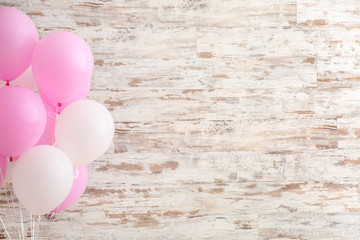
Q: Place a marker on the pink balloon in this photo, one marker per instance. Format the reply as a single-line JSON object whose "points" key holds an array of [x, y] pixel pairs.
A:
{"points": [[18, 38], [48, 136], [78, 188], [54, 106], [62, 64], [22, 120], [3, 168]]}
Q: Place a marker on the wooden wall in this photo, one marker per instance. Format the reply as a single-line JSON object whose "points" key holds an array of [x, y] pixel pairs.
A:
{"points": [[235, 119]]}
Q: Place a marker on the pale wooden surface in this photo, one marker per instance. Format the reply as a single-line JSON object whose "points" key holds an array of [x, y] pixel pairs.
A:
{"points": [[234, 119]]}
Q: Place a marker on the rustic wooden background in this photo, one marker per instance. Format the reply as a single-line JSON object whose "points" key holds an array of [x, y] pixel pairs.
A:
{"points": [[235, 119]]}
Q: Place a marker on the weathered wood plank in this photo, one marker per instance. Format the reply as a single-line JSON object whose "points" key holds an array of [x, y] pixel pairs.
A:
{"points": [[309, 226], [328, 12]]}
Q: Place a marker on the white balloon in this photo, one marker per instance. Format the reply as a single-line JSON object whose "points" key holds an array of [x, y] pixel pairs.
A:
{"points": [[42, 178], [84, 131], [26, 79]]}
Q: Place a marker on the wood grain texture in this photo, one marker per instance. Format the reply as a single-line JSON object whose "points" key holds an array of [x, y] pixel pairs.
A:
{"points": [[234, 119]]}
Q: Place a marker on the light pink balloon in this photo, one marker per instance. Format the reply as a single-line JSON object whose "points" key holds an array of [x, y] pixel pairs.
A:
{"points": [[54, 106], [78, 188], [62, 64], [18, 38], [48, 136], [3, 168], [22, 120]]}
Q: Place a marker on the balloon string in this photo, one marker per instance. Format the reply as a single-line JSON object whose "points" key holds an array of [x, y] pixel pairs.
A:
{"points": [[22, 222], [31, 220], [38, 218], [14, 207], [7, 233], [7, 83], [7, 198], [33, 230], [32, 227], [11, 197], [4, 185]]}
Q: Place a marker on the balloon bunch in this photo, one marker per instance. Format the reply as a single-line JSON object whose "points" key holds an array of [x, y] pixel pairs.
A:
{"points": [[48, 138]]}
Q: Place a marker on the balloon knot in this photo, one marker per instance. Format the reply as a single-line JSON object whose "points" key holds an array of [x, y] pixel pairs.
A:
{"points": [[11, 159], [51, 215], [7, 83], [58, 109]]}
